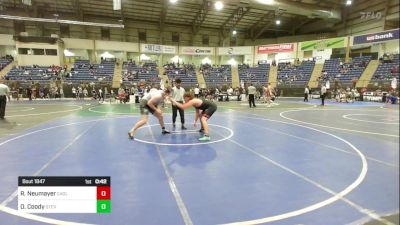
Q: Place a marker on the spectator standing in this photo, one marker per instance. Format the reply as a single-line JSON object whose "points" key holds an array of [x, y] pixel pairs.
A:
{"points": [[101, 97], [74, 92], [306, 93], [4, 91], [196, 92], [323, 94], [252, 91], [61, 93]]}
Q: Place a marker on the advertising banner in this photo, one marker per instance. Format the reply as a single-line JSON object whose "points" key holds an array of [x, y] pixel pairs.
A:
{"points": [[323, 44], [245, 50], [164, 49], [376, 37], [275, 48], [196, 51]]}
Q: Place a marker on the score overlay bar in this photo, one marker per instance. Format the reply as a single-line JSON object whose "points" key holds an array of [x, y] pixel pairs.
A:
{"points": [[64, 194]]}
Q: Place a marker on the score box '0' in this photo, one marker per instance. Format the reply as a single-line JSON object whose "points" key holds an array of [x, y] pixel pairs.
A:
{"points": [[64, 194]]}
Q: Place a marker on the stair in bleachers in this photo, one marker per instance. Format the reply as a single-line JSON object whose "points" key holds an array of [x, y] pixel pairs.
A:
{"points": [[313, 83], [235, 76], [273, 76], [7, 68], [368, 73], [163, 76], [200, 79], [116, 82]]}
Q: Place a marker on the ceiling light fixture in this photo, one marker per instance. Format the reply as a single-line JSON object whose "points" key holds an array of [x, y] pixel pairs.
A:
{"points": [[117, 4], [349, 2], [219, 5], [277, 22], [266, 2], [173, 1], [234, 32], [74, 22], [27, 2]]}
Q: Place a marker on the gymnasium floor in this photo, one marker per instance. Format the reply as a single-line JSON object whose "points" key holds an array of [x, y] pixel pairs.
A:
{"points": [[292, 163]]}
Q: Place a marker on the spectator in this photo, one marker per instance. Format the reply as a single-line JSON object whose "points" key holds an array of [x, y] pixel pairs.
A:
{"points": [[323, 94], [306, 93], [4, 92]]}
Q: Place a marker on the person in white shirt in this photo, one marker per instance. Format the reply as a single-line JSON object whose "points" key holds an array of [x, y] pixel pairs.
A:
{"points": [[323, 94], [101, 96], [229, 91], [196, 92], [306, 93], [177, 95], [252, 91], [4, 91], [74, 92], [149, 104]]}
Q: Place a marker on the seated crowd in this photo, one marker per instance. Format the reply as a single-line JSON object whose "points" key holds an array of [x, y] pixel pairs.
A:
{"points": [[132, 72], [5, 60], [295, 73], [388, 68]]}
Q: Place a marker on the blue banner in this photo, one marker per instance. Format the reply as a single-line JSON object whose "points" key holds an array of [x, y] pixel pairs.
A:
{"points": [[376, 37]]}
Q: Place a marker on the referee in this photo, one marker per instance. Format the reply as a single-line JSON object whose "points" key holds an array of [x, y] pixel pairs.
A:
{"points": [[252, 91], [4, 91], [177, 94]]}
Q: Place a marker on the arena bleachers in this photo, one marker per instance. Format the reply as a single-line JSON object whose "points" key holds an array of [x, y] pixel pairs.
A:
{"points": [[4, 61], [84, 71], [218, 76], [387, 70], [289, 74], [186, 73], [35, 73], [131, 72], [332, 68], [256, 75], [355, 68], [345, 72]]}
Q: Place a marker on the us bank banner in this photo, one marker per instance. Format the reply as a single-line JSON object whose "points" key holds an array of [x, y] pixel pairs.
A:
{"points": [[245, 50], [323, 44], [376, 37], [196, 51], [158, 49]]}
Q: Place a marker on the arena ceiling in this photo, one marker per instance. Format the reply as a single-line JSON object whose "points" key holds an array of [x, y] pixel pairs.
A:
{"points": [[248, 16]]}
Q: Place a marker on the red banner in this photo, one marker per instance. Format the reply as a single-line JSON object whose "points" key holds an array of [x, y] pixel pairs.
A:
{"points": [[275, 48]]}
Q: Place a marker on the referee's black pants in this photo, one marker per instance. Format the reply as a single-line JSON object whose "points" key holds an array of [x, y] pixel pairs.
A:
{"points": [[305, 97], [323, 96], [251, 100], [175, 114], [3, 102]]}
